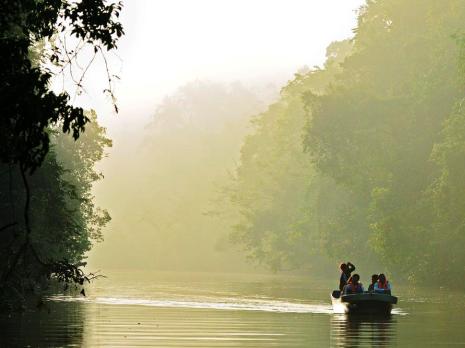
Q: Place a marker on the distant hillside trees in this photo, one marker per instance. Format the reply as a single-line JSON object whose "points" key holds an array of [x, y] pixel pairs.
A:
{"points": [[183, 162]]}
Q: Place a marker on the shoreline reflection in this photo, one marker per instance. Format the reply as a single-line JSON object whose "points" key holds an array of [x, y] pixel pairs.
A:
{"points": [[56, 324]]}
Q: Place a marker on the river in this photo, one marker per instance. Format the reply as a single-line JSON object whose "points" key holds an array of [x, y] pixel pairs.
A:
{"points": [[210, 310]]}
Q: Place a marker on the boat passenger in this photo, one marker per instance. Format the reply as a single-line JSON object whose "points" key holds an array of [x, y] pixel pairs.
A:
{"points": [[382, 285], [346, 270], [374, 280], [353, 286]]}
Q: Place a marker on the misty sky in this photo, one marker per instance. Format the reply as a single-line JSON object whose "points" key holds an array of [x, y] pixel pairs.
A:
{"points": [[171, 42]]}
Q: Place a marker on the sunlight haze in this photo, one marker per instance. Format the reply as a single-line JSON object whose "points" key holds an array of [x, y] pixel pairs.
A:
{"points": [[232, 173], [169, 43]]}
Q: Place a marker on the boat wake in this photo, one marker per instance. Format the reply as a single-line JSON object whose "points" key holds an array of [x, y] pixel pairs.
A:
{"points": [[240, 304]]}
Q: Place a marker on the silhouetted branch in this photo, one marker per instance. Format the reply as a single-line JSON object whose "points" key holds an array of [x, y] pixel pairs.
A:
{"points": [[11, 224], [108, 90]]}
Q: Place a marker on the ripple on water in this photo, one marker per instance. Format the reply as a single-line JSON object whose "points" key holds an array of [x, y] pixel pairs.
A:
{"points": [[199, 321], [167, 320], [242, 304]]}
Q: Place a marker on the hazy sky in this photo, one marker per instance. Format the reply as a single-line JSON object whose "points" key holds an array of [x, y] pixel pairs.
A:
{"points": [[171, 42]]}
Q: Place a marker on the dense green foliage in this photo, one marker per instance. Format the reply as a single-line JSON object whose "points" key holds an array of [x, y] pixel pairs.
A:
{"points": [[364, 159], [63, 217], [27, 104], [277, 189], [50, 217]]}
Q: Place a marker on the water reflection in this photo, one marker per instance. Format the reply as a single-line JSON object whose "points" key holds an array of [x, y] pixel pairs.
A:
{"points": [[53, 324], [226, 311], [362, 331]]}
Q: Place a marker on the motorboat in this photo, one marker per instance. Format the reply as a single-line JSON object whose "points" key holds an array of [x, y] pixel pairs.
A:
{"points": [[363, 303]]}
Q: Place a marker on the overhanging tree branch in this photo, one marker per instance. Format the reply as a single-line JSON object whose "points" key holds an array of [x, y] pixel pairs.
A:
{"points": [[11, 224]]}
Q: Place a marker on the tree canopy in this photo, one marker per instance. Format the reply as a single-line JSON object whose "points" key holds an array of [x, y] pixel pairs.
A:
{"points": [[49, 219], [362, 158]]}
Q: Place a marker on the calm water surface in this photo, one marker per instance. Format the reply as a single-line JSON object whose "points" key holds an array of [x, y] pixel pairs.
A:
{"points": [[200, 310]]}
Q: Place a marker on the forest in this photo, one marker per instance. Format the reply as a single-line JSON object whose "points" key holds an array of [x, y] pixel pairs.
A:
{"points": [[188, 149], [361, 158], [48, 146]]}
